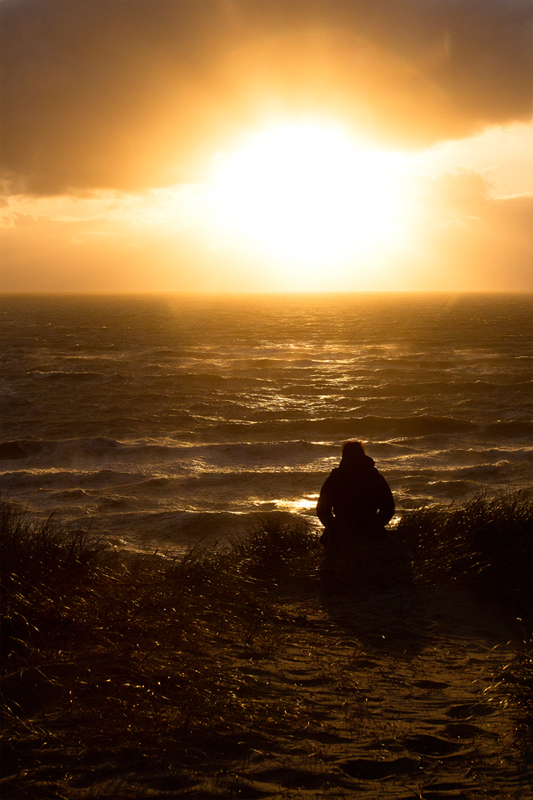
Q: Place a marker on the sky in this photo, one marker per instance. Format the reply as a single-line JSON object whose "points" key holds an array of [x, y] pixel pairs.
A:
{"points": [[266, 145]]}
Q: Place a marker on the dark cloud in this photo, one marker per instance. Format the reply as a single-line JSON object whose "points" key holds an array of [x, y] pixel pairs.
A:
{"points": [[135, 93]]}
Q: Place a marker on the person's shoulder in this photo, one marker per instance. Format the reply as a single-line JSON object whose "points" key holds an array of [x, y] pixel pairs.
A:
{"points": [[334, 472], [372, 471], [335, 475], [368, 464]]}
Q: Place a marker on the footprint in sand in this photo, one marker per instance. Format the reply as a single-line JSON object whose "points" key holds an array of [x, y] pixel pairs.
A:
{"points": [[430, 684], [469, 710], [462, 730], [427, 745], [366, 769], [288, 778]]}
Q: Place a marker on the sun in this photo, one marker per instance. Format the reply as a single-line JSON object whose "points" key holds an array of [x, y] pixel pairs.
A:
{"points": [[309, 197]]}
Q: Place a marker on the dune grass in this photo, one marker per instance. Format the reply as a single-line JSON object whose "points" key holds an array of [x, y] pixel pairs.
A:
{"points": [[136, 655], [486, 541], [134, 659]]}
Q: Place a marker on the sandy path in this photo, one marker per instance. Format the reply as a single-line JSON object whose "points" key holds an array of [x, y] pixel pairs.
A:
{"points": [[389, 694], [393, 699]]}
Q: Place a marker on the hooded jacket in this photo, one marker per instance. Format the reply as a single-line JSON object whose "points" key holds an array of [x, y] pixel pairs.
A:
{"points": [[355, 497]]}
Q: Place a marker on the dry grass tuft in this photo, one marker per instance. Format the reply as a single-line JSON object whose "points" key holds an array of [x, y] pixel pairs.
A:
{"points": [[487, 541]]}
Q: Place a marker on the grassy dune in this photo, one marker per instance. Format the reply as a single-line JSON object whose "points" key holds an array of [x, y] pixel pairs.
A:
{"points": [[111, 660]]}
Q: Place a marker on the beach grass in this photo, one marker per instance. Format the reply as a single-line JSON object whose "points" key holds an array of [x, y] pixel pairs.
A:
{"points": [[486, 541], [134, 653], [112, 660]]}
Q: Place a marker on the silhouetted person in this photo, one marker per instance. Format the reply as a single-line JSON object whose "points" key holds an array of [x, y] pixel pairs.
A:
{"points": [[355, 502]]}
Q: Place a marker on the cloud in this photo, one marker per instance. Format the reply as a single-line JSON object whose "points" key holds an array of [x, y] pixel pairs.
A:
{"points": [[458, 195], [129, 95], [465, 240]]}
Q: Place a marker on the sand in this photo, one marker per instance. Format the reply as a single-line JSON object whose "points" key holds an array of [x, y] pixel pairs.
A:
{"points": [[388, 695], [385, 694], [396, 697]]}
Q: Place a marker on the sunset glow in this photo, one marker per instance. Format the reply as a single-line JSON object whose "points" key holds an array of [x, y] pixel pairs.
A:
{"points": [[266, 146], [308, 195]]}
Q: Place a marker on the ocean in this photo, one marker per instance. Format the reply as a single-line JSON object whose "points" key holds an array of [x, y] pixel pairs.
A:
{"points": [[161, 421]]}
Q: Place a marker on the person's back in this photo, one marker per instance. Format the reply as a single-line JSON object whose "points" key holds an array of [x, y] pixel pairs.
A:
{"points": [[355, 500]]}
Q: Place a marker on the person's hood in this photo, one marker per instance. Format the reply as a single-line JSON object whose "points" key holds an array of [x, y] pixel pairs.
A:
{"points": [[357, 465]]}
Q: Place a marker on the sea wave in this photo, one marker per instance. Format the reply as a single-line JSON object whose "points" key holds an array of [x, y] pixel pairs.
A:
{"points": [[166, 415], [405, 442], [59, 375], [510, 429]]}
